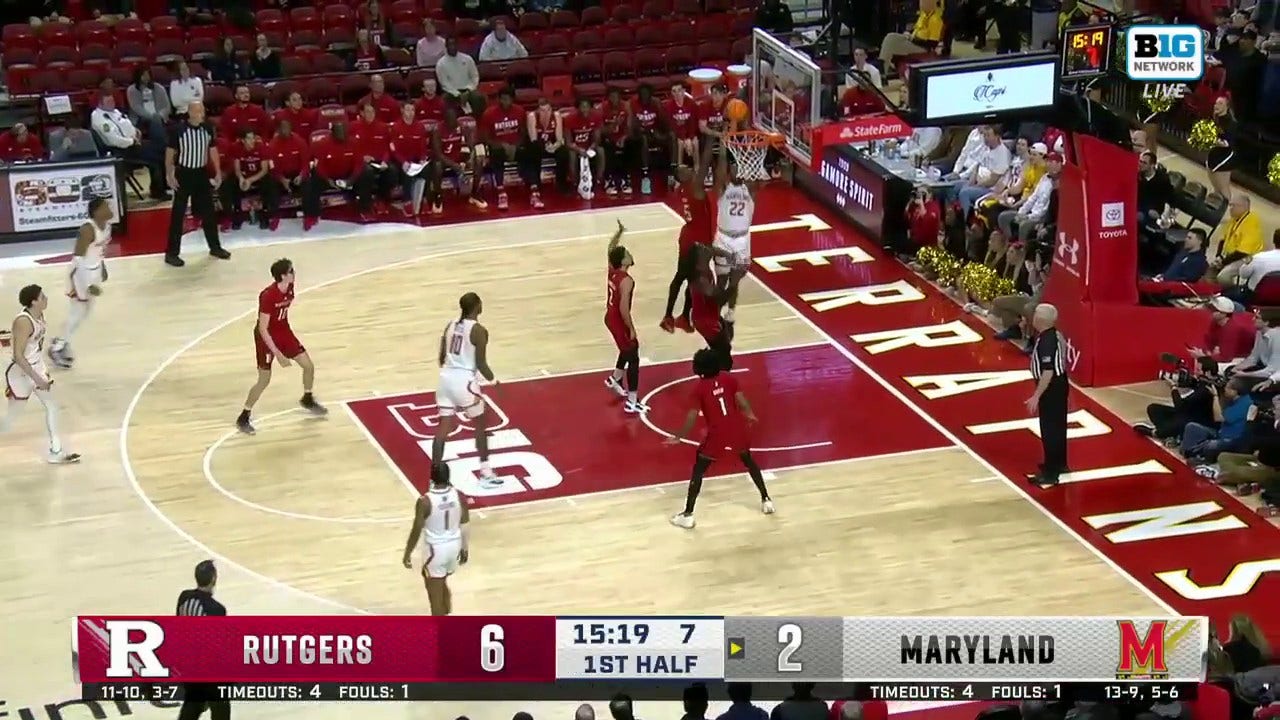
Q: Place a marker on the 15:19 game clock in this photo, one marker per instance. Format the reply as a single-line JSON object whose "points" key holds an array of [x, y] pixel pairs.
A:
{"points": [[1086, 51]]}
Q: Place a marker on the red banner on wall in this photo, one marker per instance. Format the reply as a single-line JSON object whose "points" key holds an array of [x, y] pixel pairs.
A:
{"points": [[1110, 200], [1067, 287], [336, 648]]}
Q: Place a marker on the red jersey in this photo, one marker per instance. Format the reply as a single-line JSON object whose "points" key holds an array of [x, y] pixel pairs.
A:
{"points": [[289, 156], [646, 114], [502, 125], [615, 120], [544, 126], [336, 160], [429, 109], [386, 108], [613, 317], [713, 115], [372, 139], [237, 118], [683, 117], [249, 159], [13, 150], [409, 142], [303, 121], [698, 214], [275, 303], [367, 58], [580, 129], [704, 314], [716, 397], [451, 143]]}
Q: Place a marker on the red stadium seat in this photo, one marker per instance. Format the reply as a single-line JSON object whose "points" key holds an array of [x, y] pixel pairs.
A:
{"points": [[162, 75], [258, 94], [202, 48], [121, 76], [166, 26], [742, 23], [305, 41], [338, 16], [59, 57], [95, 55], [534, 21], [714, 27], [19, 64], [594, 15], [48, 81], [740, 50], [619, 71], [466, 28], [295, 65], [270, 20], [353, 87], [713, 52], [680, 60], [586, 40], [304, 18], [169, 50], [328, 63], [522, 74], [619, 38], [407, 32], [651, 67], [92, 31], [650, 35], [338, 38], [19, 35], [413, 81], [131, 30], [556, 78], [217, 98], [681, 32], [625, 14], [688, 8], [587, 75], [654, 11], [406, 11], [56, 34], [564, 19], [280, 91], [319, 91], [554, 43], [84, 78]]}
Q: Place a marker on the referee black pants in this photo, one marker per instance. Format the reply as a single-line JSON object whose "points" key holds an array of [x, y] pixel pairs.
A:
{"points": [[1053, 429], [194, 188], [199, 698]]}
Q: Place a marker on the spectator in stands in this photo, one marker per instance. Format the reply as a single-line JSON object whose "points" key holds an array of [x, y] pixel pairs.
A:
{"points": [[119, 135], [1243, 238], [1231, 406], [290, 156], [430, 106], [265, 60], [860, 65], [337, 166], [430, 47], [1252, 270], [967, 155], [775, 16], [1013, 312], [1191, 262], [71, 142], [372, 138], [501, 44], [584, 712], [367, 55], [1155, 193], [1246, 646], [148, 102], [459, 78], [225, 66], [800, 705], [695, 700], [1245, 66], [18, 144], [385, 108], [924, 143], [185, 89], [741, 707], [245, 115], [1044, 23], [859, 98], [379, 27], [622, 708], [1231, 334], [924, 219], [250, 170], [1032, 210], [302, 120], [411, 155], [925, 35], [111, 11], [989, 165]]}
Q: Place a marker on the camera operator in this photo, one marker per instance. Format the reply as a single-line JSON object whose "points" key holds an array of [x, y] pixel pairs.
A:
{"points": [[1192, 401], [924, 220], [1232, 408]]}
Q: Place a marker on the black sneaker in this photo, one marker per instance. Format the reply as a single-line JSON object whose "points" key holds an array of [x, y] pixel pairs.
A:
{"points": [[174, 260], [1144, 429], [1041, 480], [309, 404], [220, 253], [245, 426]]}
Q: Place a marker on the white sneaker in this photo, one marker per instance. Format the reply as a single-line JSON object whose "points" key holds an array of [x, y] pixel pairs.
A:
{"points": [[767, 508], [636, 407], [489, 481], [615, 386], [728, 315], [681, 520], [60, 354], [63, 458]]}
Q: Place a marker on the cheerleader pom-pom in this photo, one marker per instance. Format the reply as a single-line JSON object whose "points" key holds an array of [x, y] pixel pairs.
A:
{"points": [[981, 282], [1273, 170], [1003, 286], [948, 268], [928, 258], [1204, 135], [1156, 106]]}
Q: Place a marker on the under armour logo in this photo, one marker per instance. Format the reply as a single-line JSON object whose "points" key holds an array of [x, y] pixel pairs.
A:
{"points": [[1068, 247]]}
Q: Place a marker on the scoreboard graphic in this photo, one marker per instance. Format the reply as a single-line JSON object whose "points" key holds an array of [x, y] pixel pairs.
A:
{"points": [[398, 658]]}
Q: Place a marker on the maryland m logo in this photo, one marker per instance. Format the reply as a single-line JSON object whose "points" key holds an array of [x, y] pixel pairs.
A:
{"points": [[1143, 657]]}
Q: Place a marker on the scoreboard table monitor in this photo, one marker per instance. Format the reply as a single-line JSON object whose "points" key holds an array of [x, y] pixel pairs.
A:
{"points": [[1086, 51]]}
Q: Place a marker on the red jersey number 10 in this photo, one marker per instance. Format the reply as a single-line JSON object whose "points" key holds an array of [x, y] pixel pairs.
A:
{"points": [[283, 314], [608, 296]]}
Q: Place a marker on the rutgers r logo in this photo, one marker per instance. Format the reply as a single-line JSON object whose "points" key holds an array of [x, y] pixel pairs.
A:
{"points": [[131, 647], [511, 453], [1142, 657]]}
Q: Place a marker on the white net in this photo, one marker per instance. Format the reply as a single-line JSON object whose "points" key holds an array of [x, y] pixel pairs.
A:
{"points": [[749, 151]]}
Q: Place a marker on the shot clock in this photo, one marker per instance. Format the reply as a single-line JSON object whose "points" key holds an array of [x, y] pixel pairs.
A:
{"points": [[1086, 52]]}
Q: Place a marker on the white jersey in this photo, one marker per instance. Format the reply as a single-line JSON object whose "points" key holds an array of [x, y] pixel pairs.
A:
{"points": [[92, 257], [736, 210], [444, 523], [459, 351], [34, 353]]}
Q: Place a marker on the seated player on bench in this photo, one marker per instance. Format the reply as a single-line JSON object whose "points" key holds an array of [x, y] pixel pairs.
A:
{"points": [[251, 171], [581, 134], [615, 139], [545, 140], [650, 132], [453, 154]]}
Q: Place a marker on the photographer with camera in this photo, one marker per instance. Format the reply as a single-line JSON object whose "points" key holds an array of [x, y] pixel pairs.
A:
{"points": [[924, 220], [1191, 401], [1232, 409]]}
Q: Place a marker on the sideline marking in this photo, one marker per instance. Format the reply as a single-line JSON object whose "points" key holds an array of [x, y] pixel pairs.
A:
{"points": [[127, 419], [852, 357]]}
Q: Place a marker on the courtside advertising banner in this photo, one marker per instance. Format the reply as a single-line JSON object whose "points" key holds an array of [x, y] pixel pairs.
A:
{"points": [[1068, 286], [56, 197], [1111, 205]]}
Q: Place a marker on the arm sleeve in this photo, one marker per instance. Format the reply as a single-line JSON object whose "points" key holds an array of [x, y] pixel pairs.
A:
{"points": [[1048, 355]]}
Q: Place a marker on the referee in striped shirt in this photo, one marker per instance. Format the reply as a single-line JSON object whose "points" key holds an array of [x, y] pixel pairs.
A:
{"points": [[186, 160], [199, 601], [1049, 370]]}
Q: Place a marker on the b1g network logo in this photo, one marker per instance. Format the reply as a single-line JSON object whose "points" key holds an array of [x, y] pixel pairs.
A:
{"points": [[1164, 53]]}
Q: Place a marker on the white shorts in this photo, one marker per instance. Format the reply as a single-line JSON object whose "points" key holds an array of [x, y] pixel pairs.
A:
{"points": [[81, 278], [738, 247], [18, 385], [442, 559], [459, 393]]}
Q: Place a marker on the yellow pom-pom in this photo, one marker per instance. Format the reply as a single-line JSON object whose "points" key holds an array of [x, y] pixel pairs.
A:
{"points": [[1273, 170], [947, 268], [1003, 286], [1157, 105], [1204, 135]]}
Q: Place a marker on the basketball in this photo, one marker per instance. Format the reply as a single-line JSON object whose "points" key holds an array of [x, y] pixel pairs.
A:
{"points": [[736, 110]]}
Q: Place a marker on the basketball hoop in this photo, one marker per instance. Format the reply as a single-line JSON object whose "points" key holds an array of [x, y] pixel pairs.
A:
{"points": [[749, 148]]}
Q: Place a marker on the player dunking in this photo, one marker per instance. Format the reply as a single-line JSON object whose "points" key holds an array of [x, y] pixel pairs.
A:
{"points": [[446, 543], [27, 375], [88, 273], [718, 398], [464, 354], [698, 227], [620, 288], [274, 341], [736, 208]]}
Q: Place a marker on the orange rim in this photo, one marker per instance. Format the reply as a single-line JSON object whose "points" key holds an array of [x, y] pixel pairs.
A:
{"points": [[753, 138]]}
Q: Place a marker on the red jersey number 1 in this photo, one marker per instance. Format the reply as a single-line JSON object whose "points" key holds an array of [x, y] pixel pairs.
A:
{"points": [[724, 409]]}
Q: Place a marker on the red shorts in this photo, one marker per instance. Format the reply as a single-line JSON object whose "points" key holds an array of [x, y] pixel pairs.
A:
{"points": [[620, 336], [285, 341], [686, 132], [725, 442], [708, 328], [691, 235]]}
